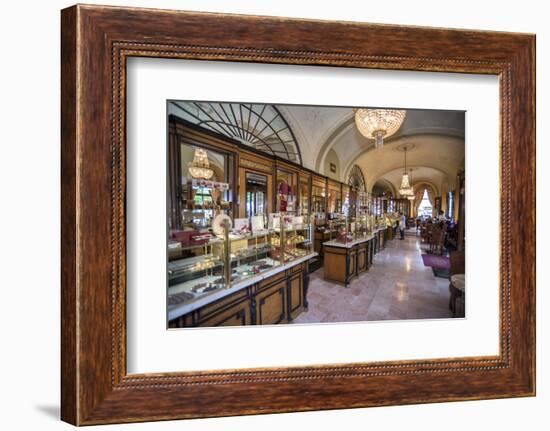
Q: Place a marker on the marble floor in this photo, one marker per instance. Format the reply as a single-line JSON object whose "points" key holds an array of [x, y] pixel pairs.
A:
{"points": [[397, 286]]}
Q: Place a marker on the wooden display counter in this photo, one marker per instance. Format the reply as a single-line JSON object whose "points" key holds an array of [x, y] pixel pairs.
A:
{"points": [[264, 300], [391, 232], [343, 261], [381, 236], [321, 237]]}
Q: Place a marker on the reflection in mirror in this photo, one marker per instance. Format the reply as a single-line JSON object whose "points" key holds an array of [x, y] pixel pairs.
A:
{"points": [[199, 187]]}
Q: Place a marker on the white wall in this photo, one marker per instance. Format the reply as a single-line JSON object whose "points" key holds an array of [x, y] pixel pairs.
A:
{"points": [[29, 220]]}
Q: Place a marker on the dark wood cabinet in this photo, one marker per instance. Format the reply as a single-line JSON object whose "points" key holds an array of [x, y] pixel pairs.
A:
{"points": [[362, 258], [277, 299], [233, 316], [271, 305], [382, 237], [352, 262], [296, 295], [343, 262]]}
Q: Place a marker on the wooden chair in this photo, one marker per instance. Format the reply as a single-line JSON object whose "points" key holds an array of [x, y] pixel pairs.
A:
{"points": [[437, 241], [428, 233]]}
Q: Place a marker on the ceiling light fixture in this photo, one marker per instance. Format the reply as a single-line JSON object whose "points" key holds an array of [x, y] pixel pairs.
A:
{"points": [[411, 197], [405, 190], [378, 124]]}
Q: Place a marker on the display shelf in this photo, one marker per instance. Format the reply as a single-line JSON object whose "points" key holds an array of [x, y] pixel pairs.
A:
{"points": [[234, 257]]}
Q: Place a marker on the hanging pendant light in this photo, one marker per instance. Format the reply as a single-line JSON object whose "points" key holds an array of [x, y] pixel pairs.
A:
{"points": [[200, 166], [378, 124], [411, 197], [405, 190]]}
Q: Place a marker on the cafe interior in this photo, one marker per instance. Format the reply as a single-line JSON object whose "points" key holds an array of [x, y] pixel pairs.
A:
{"points": [[291, 214]]}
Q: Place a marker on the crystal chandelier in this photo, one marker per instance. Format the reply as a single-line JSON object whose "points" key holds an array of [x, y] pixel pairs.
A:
{"points": [[405, 190], [200, 166], [378, 124]]}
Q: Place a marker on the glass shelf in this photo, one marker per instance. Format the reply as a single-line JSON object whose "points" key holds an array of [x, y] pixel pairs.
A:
{"points": [[236, 257]]}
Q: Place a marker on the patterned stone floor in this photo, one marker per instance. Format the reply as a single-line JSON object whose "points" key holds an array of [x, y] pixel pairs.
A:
{"points": [[397, 286]]}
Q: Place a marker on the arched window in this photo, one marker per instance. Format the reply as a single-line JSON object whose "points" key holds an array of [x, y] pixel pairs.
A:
{"points": [[425, 208], [261, 127], [356, 179]]}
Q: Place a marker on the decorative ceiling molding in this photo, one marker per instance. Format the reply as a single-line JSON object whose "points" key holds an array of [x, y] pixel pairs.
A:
{"points": [[260, 126]]}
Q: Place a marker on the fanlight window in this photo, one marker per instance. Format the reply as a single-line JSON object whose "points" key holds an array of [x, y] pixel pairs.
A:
{"points": [[356, 178], [261, 127]]}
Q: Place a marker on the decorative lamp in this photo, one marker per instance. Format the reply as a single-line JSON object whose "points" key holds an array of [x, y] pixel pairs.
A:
{"points": [[378, 124]]}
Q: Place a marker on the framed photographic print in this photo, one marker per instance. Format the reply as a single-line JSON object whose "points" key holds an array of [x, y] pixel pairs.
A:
{"points": [[253, 206]]}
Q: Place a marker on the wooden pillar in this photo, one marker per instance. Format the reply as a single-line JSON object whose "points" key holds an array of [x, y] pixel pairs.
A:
{"points": [[174, 180]]}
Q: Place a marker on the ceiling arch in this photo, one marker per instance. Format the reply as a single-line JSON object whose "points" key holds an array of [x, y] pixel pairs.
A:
{"points": [[384, 184], [418, 175], [316, 132], [313, 125], [350, 144], [439, 157]]}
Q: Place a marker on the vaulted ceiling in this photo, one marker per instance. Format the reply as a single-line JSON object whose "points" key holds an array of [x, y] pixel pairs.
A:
{"points": [[328, 138], [434, 139]]}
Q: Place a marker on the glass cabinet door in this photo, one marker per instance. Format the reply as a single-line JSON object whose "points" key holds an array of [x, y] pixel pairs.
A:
{"points": [[287, 190], [334, 198], [256, 194], [305, 198], [318, 196]]}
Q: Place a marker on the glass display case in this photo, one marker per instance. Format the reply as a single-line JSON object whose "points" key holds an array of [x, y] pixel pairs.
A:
{"points": [[304, 196], [337, 224], [346, 200], [318, 196], [363, 227], [380, 221], [237, 253], [201, 271], [287, 187], [252, 253], [334, 204], [293, 236], [363, 205]]}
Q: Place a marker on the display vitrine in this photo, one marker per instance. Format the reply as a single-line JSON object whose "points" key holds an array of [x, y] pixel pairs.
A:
{"points": [[239, 252], [304, 197], [293, 235], [201, 269], [334, 204], [319, 195], [286, 191], [346, 200]]}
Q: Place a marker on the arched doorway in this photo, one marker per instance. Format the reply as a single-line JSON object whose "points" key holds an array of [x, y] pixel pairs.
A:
{"points": [[425, 209], [424, 200]]}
